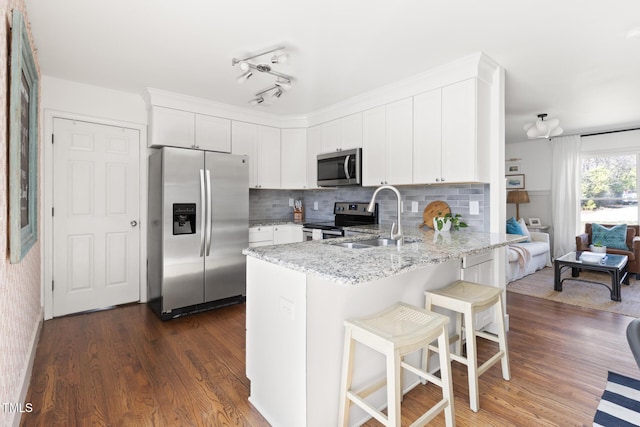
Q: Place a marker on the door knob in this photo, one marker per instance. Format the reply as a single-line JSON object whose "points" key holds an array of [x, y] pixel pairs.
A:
{"points": [[134, 223]]}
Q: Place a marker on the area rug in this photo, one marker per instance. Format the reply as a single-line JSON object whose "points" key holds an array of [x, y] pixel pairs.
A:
{"points": [[583, 294], [620, 403]]}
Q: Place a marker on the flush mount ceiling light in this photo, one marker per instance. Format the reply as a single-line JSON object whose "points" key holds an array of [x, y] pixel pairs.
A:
{"points": [[283, 81], [542, 128]]}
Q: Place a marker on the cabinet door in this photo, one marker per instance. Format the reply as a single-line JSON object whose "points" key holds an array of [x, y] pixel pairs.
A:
{"points": [[399, 144], [288, 233], [314, 147], [459, 132], [374, 130], [351, 131], [244, 140], [174, 128], [294, 158], [331, 136], [268, 157], [213, 133], [427, 137]]}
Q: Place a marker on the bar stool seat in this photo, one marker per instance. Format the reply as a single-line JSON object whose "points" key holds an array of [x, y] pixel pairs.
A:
{"points": [[395, 332], [467, 299]]}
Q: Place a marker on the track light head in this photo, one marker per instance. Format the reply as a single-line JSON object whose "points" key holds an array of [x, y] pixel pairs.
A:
{"points": [[244, 66], [277, 94], [284, 84], [244, 77], [279, 58], [256, 101]]}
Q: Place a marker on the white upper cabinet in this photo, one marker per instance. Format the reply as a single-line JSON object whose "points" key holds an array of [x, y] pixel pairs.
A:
{"points": [[427, 137], [177, 128], [244, 140], [451, 134], [262, 145], [213, 133], [388, 144], [268, 157], [342, 134], [174, 128], [294, 158], [314, 147]]}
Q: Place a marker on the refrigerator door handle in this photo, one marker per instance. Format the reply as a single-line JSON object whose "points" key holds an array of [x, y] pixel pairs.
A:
{"points": [[209, 226], [202, 212]]}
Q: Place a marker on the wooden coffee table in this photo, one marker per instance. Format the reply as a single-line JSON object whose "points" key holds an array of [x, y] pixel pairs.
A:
{"points": [[615, 265]]}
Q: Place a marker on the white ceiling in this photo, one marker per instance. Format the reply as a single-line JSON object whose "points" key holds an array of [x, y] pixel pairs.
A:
{"points": [[569, 58]]}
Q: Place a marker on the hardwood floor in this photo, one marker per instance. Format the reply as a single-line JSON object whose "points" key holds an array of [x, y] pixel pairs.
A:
{"points": [[124, 367]]}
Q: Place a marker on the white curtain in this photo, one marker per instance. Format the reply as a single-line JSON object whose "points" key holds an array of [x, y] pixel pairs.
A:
{"points": [[565, 193]]}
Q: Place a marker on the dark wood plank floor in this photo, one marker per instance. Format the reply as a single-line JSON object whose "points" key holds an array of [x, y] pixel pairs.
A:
{"points": [[124, 367]]}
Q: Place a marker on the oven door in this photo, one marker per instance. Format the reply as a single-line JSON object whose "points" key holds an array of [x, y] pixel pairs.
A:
{"points": [[340, 168]]}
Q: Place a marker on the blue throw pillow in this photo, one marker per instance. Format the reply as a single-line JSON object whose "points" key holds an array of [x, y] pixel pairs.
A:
{"points": [[614, 237], [513, 227]]}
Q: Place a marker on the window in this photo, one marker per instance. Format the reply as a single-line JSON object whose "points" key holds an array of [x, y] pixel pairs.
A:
{"points": [[609, 189]]}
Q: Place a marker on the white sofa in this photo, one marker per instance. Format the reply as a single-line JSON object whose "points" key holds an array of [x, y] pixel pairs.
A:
{"points": [[527, 258]]}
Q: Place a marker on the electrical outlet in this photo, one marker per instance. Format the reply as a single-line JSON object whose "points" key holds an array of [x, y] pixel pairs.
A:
{"points": [[414, 206], [474, 207], [290, 203]]}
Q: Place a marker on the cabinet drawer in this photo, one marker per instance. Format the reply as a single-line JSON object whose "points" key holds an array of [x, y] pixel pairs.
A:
{"points": [[260, 234]]}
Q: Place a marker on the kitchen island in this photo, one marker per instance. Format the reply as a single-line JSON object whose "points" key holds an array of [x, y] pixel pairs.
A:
{"points": [[298, 296]]}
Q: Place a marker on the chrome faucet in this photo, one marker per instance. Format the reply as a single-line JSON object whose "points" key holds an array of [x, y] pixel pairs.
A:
{"points": [[396, 232]]}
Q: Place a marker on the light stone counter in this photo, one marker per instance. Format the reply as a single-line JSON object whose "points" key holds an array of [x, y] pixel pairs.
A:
{"points": [[330, 261]]}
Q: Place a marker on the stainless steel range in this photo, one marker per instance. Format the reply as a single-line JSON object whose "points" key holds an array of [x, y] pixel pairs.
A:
{"points": [[347, 214]]}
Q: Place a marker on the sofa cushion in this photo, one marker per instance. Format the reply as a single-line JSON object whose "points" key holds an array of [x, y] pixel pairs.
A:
{"points": [[613, 237], [534, 248], [524, 228], [513, 227]]}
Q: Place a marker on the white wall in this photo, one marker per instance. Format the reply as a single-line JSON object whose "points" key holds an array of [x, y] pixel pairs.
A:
{"points": [[88, 100], [535, 159]]}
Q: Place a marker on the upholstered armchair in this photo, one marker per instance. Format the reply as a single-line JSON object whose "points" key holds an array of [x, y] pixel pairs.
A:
{"points": [[633, 242]]}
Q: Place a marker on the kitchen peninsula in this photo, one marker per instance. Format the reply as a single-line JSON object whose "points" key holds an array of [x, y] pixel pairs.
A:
{"points": [[299, 294]]}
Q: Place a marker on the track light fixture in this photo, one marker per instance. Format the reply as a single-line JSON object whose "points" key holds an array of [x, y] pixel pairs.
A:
{"points": [[283, 81], [542, 128]]}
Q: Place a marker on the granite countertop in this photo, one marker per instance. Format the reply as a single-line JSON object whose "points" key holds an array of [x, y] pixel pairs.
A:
{"points": [[272, 222], [330, 261]]}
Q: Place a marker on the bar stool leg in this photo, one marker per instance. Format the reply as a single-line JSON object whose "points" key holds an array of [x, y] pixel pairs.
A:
{"points": [[347, 373], [502, 342], [394, 394], [445, 376], [457, 348], [472, 359]]}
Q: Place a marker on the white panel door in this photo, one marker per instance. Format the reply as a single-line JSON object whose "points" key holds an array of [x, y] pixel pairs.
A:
{"points": [[213, 133], [268, 157], [374, 146], [427, 137], [244, 141], [314, 147], [96, 238], [400, 142]]}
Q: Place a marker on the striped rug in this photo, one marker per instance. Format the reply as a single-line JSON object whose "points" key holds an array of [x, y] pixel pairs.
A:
{"points": [[620, 403]]}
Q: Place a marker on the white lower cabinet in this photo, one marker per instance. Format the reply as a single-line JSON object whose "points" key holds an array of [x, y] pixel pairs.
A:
{"points": [[388, 144], [274, 235], [479, 269]]}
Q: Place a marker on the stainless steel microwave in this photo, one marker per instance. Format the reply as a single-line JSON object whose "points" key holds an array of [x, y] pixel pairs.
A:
{"points": [[340, 168]]}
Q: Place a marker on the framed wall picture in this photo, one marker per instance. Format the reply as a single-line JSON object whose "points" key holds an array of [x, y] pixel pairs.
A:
{"points": [[515, 182], [23, 142], [512, 168], [535, 222]]}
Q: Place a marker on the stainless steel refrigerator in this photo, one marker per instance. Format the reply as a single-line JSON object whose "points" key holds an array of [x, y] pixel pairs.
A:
{"points": [[198, 226]]}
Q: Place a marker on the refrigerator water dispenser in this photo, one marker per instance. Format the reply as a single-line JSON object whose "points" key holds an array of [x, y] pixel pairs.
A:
{"points": [[184, 218]]}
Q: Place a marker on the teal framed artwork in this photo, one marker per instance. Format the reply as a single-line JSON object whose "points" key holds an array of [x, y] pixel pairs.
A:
{"points": [[23, 142]]}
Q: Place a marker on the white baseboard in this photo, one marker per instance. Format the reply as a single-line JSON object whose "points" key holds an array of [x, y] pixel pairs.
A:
{"points": [[28, 369]]}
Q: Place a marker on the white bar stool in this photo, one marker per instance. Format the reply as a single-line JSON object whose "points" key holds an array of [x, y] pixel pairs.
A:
{"points": [[467, 299], [395, 332]]}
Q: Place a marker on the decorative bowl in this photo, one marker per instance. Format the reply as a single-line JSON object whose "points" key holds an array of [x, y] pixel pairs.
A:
{"points": [[592, 256]]}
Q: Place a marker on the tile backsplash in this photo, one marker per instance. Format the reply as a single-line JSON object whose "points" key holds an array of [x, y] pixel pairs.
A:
{"points": [[274, 204]]}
